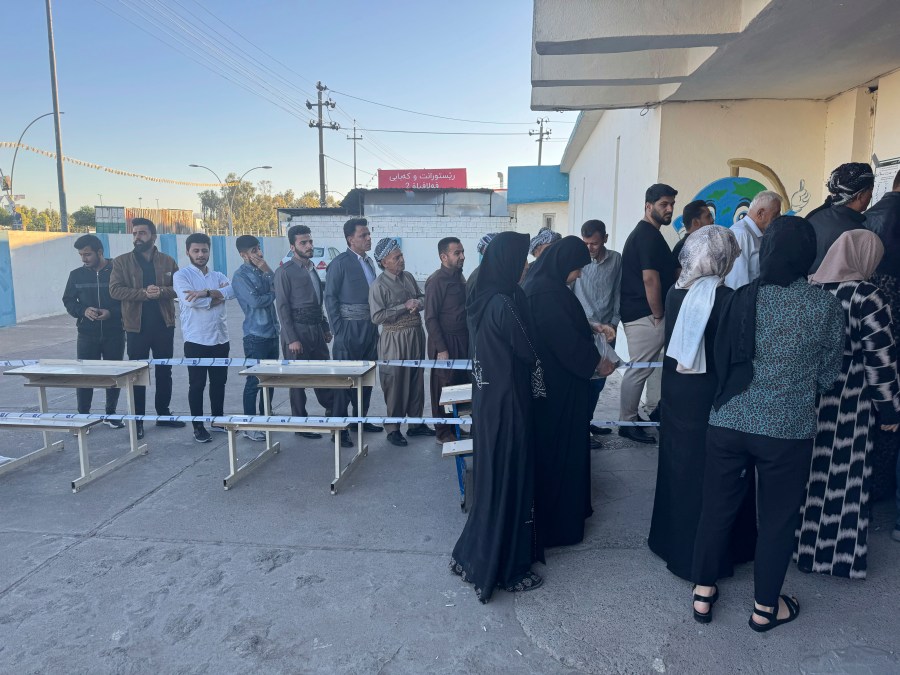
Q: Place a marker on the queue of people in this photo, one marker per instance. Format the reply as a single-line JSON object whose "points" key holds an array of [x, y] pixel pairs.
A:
{"points": [[779, 396]]}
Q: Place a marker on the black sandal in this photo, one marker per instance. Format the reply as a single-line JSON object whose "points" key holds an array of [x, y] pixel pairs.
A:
{"points": [[793, 607], [528, 583], [705, 617]]}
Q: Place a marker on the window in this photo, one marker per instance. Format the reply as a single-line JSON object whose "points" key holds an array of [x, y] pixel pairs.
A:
{"points": [[549, 220]]}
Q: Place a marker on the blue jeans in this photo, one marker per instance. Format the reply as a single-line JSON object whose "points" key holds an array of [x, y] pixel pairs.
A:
{"points": [[256, 347]]}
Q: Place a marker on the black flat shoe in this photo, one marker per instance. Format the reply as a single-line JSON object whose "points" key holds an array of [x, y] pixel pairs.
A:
{"points": [[396, 438], [528, 583], [420, 430], [307, 434], [793, 607], [174, 424], [636, 434], [600, 431], [346, 441], [373, 428], [705, 617]]}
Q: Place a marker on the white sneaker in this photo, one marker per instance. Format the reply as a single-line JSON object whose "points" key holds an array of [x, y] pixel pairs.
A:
{"points": [[255, 435]]}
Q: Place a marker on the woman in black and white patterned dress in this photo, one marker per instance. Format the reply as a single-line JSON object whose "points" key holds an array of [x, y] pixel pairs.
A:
{"points": [[833, 534]]}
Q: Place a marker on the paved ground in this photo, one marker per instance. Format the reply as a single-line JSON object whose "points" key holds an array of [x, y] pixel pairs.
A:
{"points": [[155, 568]]}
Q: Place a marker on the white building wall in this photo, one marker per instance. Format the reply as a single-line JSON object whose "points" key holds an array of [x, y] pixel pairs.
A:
{"points": [[617, 164], [530, 217]]}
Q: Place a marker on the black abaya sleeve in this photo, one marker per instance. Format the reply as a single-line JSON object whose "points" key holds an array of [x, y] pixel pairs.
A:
{"points": [[563, 333]]}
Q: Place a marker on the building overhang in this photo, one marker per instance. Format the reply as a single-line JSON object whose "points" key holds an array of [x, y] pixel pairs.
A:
{"points": [[609, 54]]}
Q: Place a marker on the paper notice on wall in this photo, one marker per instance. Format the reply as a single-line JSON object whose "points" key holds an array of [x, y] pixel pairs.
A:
{"points": [[884, 178]]}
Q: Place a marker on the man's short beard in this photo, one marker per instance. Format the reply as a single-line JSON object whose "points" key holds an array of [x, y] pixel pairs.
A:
{"points": [[141, 246]]}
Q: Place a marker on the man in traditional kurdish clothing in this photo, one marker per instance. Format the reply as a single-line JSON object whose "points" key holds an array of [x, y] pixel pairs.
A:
{"points": [[445, 318], [347, 302], [305, 332], [396, 302]]}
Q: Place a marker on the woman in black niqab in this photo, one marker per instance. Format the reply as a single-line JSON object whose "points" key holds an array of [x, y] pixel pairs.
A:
{"points": [[569, 357], [500, 542]]}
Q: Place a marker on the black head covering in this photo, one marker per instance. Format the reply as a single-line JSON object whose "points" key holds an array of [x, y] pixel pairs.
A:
{"points": [[548, 273], [499, 272], [788, 250], [844, 183]]}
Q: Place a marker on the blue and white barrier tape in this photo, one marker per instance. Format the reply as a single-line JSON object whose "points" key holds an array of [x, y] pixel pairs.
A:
{"points": [[453, 364], [277, 420]]}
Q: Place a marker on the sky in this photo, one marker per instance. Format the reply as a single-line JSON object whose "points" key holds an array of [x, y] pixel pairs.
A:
{"points": [[231, 93]]}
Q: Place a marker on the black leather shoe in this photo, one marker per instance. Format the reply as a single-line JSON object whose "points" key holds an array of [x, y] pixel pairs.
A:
{"points": [[140, 429], [420, 430], [600, 431], [176, 424], [346, 441], [307, 434], [636, 434], [654, 416], [396, 438], [374, 428]]}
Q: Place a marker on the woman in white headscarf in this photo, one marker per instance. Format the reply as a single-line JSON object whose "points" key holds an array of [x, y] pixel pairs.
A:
{"points": [[833, 535], [689, 381]]}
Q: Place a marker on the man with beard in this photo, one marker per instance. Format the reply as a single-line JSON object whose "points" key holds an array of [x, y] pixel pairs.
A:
{"points": [[202, 293], [396, 302], [347, 284], [648, 271], [445, 319], [142, 282], [305, 332]]}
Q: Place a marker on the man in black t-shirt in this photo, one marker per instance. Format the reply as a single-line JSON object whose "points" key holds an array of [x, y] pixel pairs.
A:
{"points": [[648, 271]]}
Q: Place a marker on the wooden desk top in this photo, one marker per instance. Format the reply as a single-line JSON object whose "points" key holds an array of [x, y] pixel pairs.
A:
{"points": [[62, 369], [312, 369], [458, 393]]}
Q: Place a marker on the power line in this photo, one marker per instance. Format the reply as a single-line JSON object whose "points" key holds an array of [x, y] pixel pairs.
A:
{"points": [[349, 166], [449, 133], [440, 117]]}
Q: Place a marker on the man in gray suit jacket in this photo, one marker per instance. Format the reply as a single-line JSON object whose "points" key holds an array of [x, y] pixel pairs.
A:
{"points": [[347, 302]]}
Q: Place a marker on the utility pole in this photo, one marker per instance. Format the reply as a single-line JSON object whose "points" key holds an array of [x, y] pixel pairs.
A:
{"points": [[320, 125], [354, 138], [60, 176], [541, 136]]}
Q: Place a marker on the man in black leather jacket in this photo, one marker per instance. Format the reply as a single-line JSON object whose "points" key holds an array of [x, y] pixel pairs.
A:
{"points": [[98, 317]]}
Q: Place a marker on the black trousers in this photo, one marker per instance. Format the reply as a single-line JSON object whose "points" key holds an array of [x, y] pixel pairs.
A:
{"points": [[782, 470], [111, 347], [197, 375], [161, 342]]}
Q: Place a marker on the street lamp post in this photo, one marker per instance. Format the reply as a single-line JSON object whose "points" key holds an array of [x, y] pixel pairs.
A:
{"points": [[12, 170], [101, 198], [231, 200]]}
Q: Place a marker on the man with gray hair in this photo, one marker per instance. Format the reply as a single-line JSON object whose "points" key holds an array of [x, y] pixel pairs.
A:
{"points": [[749, 231]]}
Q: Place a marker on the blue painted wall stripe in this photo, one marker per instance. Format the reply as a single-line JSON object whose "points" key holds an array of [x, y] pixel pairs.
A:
{"points": [[104, 239], [7, 292], [219, 254], [168, 244]]}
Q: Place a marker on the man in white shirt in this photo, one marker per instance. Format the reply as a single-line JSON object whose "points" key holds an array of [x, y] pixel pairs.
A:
{"points": [[749, 231], [202, 294]]}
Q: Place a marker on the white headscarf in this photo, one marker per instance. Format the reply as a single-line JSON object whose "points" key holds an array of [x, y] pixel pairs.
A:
{"points": [[706, 258]]}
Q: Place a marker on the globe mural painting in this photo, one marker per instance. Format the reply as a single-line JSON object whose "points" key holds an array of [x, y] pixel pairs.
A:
{"points": [[727, 198]]}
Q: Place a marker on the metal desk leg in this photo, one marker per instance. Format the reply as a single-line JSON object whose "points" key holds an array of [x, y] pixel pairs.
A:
{"points": [[267, 409], [42, 400], [363, 448], [238, 472], [132, 424]]}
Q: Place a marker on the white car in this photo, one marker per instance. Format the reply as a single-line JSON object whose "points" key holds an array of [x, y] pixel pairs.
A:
{"points": [[322, 256]]}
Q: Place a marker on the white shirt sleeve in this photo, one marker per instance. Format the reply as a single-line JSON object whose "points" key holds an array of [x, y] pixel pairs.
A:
{"points": [[740, 273], [227, 291], [182, 282]]}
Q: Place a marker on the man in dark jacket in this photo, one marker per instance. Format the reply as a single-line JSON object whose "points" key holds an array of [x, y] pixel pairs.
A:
{"points": [[849, 193], [98, 317], [143, 281], [884, 220]]}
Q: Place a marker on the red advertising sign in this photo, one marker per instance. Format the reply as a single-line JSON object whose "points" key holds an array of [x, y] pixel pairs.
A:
{"points": [[421, 179]]}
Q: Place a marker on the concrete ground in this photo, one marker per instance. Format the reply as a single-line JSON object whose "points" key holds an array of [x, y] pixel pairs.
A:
{"points": [[155, 568]]}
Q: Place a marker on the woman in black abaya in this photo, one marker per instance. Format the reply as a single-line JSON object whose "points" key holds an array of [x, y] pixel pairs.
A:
{"points": [[569, 357], [500, 542], [693, 308]]}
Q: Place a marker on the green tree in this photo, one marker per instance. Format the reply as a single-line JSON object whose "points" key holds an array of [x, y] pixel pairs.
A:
{"points": [[82, 220]]}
